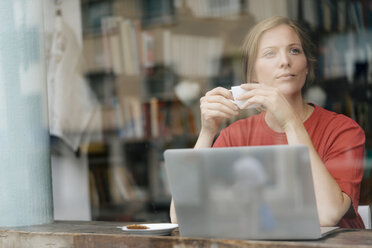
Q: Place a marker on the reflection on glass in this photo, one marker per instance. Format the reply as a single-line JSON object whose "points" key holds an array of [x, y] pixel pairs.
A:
{"points": [[25, 181]]}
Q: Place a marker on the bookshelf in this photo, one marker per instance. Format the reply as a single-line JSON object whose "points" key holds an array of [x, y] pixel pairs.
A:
{"points": [[343, 33], [138, 52], [132, 52]]}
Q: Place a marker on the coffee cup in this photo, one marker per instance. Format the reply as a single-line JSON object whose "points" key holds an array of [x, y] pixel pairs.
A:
{"points": [[237, 91]]}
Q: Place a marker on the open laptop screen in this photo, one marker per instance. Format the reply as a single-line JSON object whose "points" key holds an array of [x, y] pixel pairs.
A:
{"points": [[263, 192]]}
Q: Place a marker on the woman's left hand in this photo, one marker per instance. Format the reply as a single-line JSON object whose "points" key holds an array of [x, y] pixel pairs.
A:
{"points": [[271, 99]]}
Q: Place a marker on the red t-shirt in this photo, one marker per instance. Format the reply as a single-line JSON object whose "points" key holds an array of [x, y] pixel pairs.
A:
{"points": [[338, 140]]}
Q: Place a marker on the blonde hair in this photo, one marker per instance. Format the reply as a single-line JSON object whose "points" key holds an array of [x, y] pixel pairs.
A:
{"points": [[251, 42]]}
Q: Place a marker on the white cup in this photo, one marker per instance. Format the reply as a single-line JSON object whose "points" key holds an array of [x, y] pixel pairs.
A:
{"points": [[237, 91]]}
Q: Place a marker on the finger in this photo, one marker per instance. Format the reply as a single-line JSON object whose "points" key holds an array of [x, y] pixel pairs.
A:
{"points": [[220, 91], [269, 92], [257, 99], [250, 86], [222, 100], [254, 92], [214, 114], [220, 107]]}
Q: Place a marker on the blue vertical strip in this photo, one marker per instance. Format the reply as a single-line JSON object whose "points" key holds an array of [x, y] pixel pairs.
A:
{"points": [[25, 173]]}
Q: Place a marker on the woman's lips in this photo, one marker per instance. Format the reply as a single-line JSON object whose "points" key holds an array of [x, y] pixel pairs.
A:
{"points": [[286, 76]]}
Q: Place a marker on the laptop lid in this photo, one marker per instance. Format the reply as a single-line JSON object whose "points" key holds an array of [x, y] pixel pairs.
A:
{"points": [[256, 192]]}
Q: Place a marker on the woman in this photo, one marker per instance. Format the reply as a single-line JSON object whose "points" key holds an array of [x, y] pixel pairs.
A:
{"points": [[277, 62]]}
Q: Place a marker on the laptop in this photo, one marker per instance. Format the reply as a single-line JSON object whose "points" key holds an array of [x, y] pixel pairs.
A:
{"points": [[255, 192]]}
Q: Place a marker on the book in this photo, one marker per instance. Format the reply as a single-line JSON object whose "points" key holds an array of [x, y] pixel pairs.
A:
{"points": [[132, 125], [94, 54], [106, 46], [148, 49], [129, 47], [154, 110], [119, 117], [93, 191], [112, 44]]}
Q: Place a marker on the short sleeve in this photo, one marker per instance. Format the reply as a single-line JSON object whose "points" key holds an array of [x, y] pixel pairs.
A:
{"points": [[344, 158]]}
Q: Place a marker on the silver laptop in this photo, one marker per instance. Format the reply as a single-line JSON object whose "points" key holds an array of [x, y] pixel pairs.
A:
{"points": [[256, 192]]}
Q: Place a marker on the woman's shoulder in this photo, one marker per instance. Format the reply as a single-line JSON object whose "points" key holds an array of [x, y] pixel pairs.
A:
{"points": [[333, 120]]}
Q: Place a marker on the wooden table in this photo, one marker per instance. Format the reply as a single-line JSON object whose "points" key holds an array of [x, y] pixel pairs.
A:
{"points": [[92, 234]]}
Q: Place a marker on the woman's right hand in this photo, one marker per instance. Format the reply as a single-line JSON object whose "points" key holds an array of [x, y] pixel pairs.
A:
{"points": [[216, 106]]}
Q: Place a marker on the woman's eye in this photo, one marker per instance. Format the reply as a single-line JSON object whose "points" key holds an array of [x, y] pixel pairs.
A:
{"points": [[269, 54], [295, 51]]}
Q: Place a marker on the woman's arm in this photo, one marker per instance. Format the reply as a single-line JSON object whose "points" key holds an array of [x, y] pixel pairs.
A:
{"points": [[332, 203], [215, 106], [172, 213]]}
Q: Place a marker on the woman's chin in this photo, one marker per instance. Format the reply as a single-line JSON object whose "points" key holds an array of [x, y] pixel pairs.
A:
{"points": [[289, 89]]}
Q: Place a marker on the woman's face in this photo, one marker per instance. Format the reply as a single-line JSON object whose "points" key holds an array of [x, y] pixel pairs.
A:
{"points": [[281, 61]]}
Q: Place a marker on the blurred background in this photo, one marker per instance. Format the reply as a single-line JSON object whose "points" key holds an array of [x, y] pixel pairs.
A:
{"points": [[125, 78]]}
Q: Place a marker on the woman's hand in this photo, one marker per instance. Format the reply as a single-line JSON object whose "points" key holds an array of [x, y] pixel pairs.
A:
{"points": [[216, 106], [271, 100]]}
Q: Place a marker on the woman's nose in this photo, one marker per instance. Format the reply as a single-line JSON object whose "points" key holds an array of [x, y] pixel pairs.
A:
{"points": [[284, 60]]}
